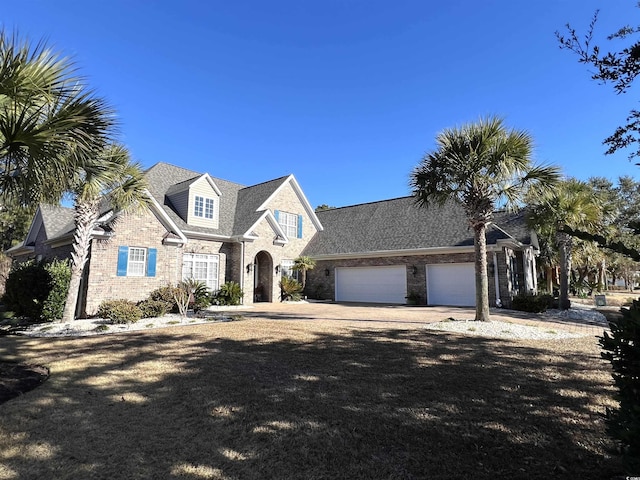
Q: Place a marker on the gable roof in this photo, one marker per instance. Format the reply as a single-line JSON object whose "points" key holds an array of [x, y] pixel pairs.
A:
{"points": [[398, 225], [250, 199], [57, 220], [165, 179], [241, 207]]}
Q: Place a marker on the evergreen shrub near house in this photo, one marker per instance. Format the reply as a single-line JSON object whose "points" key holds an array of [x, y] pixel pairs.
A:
{"points": [[166, 295], [528, 302], [60, 276], [38, 290], [622, 349], [119, 311], [229, 294], [153, 308]]}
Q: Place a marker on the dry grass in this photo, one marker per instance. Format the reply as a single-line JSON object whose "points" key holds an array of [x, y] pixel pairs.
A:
{"points": [[281, 399]]}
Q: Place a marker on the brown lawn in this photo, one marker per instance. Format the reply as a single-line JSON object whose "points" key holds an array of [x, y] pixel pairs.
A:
{"points": [[298, 399]]}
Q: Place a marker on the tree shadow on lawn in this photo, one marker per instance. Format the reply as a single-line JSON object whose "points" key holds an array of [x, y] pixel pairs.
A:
{"points": [[358, 404]]}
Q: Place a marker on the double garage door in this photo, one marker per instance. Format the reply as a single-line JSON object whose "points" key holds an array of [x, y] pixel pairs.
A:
{"points": [[447, 284]]}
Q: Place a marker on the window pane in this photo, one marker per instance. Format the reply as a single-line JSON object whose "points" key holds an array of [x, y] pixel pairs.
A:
{"points": [[201, 267], [136, 266], [208, 211], [289, 223], [199, 205]]}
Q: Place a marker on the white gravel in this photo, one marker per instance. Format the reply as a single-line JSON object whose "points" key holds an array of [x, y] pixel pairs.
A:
{"points": [[97, 326], [501, 330], [495, 329]]}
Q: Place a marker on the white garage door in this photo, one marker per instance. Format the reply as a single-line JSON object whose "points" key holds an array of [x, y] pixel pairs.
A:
{"points": [[371, 284], [451, 284]]}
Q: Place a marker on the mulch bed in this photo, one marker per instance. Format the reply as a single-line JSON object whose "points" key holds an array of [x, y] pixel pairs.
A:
{"points": [[16, 379]]}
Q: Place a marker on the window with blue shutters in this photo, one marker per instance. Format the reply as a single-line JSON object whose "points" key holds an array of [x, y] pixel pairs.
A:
{"points": [[136, 262], [291, 223]]}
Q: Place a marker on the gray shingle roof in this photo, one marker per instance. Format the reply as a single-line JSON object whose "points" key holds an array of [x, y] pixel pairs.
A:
{"points": [[238, 203], [398, 224], [249, 199], [57, 220]]}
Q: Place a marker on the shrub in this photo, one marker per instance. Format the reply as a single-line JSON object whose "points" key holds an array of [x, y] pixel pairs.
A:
{"points": [[153, 308], [229, 294], [60, 274], [119, 311], [290, 289], [38, 290], [165, 294], [532, 303], [622, 349]]}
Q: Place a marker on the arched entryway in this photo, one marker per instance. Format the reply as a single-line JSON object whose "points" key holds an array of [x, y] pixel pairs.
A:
{"points": [[263, 277]]}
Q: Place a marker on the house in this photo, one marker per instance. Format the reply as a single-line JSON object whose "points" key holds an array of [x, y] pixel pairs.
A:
{"points": [[389, 250], [213, 230], [196, 226]]}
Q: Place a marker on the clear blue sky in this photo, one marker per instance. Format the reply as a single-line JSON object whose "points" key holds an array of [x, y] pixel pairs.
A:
{"points": [[345, 94]]}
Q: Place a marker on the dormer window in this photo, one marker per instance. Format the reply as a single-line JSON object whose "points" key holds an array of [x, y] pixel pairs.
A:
{"points": [[203, 207]]}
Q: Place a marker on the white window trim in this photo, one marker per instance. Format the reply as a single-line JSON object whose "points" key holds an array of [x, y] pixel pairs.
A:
{"points": [[289, 223], [213, 278], [131, 262], [209, 208], [286, 269], [198, 207]]}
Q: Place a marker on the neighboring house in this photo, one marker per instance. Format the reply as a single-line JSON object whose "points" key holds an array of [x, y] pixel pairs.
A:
{"points": [[389, 250], [216, 231]]}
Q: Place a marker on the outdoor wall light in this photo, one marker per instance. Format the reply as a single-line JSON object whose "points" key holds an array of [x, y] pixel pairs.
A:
{"points": [[250, 268], [327, 272], [414, 269], [277, 269]]}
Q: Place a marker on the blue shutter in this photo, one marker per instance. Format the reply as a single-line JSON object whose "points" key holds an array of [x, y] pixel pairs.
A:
{"points": [[123, 258], [152, 253], [276, 213], [299, 226]]}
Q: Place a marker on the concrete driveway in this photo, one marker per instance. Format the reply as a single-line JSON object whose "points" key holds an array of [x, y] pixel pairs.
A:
{"points": [[402, 316]]}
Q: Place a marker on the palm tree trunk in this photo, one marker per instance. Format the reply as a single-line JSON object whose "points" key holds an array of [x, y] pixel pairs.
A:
{"points": [[86, 216], [482, 281], [564, 248]]}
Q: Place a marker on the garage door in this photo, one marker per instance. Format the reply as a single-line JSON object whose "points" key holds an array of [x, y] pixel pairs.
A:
{"points": [[371, 284], [451, 284]]}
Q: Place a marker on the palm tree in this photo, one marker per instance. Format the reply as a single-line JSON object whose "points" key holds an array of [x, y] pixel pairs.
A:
{"points": [[571, 205], [46, 111], [110, 177], [303, 264], [480, 165]]}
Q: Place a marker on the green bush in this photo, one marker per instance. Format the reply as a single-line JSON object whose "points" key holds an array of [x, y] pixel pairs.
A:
{"points": [[532, 303], [153, 308], [119, 311], [165, 294], [290, 289], [229, 294], [60, 273], [38, 290], [622, 349]]}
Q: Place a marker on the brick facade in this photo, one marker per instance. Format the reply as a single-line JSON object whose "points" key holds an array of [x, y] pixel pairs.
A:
{"points": [[131, 230], [265, 282]]}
